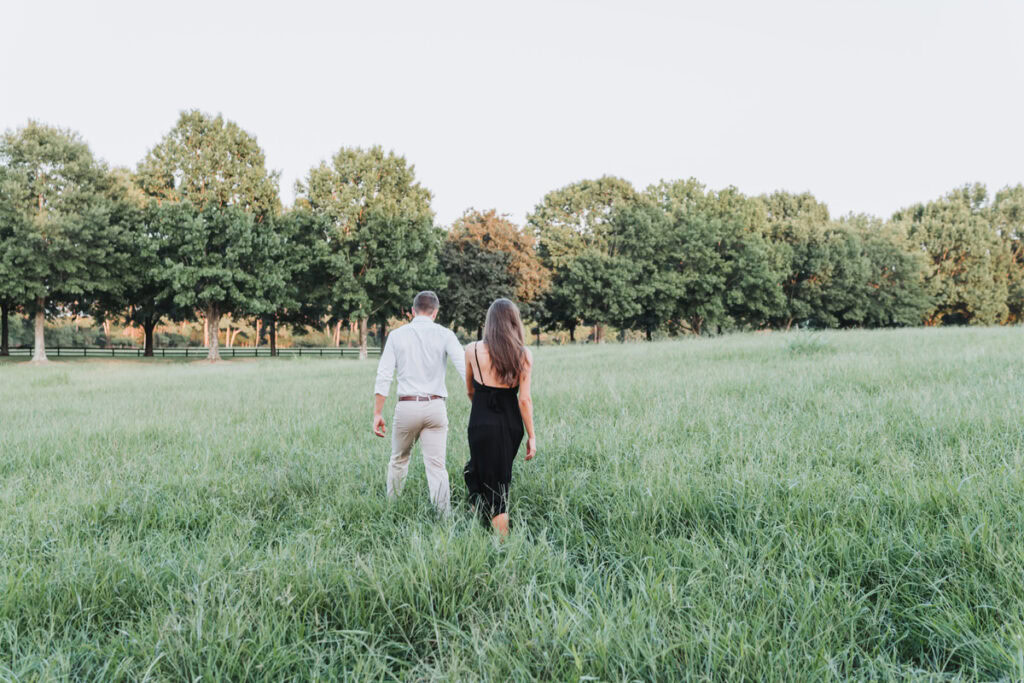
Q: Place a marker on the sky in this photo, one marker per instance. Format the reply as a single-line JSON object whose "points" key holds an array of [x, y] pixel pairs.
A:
{"points": [[870, 105]]}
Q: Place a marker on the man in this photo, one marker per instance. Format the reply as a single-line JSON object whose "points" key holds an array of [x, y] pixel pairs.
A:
{"points": [[419, 351]]}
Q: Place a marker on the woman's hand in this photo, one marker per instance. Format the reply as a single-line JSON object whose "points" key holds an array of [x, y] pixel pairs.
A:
{"points": [[531, 447]]}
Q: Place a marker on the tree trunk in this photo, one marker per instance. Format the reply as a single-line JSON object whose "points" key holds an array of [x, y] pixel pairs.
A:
{"points": [[479, 333], [106, 333], [259, 322], [234, 335], [382, 331], [649, 334], [572, 333], [273, 336], [352, 325], [148, 325], [337, 334], [39, 352], [362, 339], [213, 333], [5, 344], [206, 332], [598, 333]]}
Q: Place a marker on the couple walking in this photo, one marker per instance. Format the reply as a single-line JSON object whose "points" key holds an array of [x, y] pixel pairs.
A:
{"points": [[498, 385]]}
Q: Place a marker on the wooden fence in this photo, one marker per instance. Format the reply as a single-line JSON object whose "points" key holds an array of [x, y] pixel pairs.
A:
{"points": [[197, 352]]}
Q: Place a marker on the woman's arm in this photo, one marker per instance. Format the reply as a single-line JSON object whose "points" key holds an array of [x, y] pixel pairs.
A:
{"points": [[526, 406], [469, 373]]}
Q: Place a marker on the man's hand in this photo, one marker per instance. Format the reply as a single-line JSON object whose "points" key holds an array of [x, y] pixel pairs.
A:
{"points": [[531, 447], [379, 428]]}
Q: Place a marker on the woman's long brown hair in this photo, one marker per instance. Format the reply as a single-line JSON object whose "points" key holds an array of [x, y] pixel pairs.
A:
{"points": [[506, 341]]}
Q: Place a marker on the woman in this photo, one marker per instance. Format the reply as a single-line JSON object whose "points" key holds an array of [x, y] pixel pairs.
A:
{"points": [[498, 384]]}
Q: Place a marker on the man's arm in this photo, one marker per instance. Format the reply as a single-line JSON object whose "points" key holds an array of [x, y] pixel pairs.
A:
{"points": [[382, 387], [458, 355], [379, 428]]}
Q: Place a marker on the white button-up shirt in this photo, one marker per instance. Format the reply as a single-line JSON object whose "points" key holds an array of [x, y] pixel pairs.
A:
{"points": [[420, 351]]}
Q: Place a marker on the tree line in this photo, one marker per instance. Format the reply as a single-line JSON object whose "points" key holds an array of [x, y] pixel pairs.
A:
{"points": [[197, 230]]}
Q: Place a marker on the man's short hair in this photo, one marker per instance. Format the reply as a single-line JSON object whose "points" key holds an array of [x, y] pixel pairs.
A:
{"points": [[425, 302]]}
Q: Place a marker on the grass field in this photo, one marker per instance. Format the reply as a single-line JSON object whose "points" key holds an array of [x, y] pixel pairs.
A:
{"points": [[760, 507]]}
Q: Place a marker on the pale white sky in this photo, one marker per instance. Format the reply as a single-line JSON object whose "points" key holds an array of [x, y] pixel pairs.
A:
{"points": [[871, 105]]}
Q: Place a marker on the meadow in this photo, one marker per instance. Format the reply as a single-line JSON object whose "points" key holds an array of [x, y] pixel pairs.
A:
{"points": [[751, 507]]}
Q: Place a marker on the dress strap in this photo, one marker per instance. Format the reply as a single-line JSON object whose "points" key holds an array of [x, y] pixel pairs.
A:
{"points": [[478, 370]]}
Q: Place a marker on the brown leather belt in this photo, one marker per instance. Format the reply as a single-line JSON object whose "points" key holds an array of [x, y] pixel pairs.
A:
{"points": [[432, 397]]}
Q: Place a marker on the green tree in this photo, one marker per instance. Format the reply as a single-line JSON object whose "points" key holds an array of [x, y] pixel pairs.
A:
{"points": [[874, 277], [601, 283], [649, 267], [319, 280], [381, 226], [797, 231], [573, 227], [475, 277], [968, 274], [724, 270], [218, 260], [212, 163], [207, 159], [142, 297], [1008, 222], [66, 241]]}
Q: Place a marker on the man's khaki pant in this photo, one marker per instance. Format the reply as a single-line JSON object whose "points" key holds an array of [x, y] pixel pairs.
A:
{"points": [[428, 422]]}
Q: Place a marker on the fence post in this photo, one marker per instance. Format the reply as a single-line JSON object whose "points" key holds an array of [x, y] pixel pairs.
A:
{"points": [[85, 351], [186, 352]]}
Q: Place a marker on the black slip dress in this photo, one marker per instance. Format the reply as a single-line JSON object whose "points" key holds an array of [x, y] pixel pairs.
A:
{"points": [[495, 433]]}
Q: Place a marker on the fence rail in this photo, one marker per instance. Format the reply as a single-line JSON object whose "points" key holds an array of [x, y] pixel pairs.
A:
{"points": [[197, 352]]}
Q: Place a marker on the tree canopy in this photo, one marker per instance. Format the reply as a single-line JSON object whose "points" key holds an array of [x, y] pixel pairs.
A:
{"points": [[381, 227], [220, 261], [199, 229], [497, 234], [61, 242], [475, 277], [573, 227], [207, 159], [968, 276]]}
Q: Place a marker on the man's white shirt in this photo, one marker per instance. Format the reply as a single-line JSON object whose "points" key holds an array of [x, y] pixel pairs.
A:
{"points": [[420, 352]]}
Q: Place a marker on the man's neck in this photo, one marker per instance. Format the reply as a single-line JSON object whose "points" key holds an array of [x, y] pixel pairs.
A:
{"points": [[422, 318]]}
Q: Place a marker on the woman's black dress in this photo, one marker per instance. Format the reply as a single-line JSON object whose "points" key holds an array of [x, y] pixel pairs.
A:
{"points": [[495, 432]]}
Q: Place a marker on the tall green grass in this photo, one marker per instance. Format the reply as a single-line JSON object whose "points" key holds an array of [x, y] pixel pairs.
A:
{"points": [[733, 508]]}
